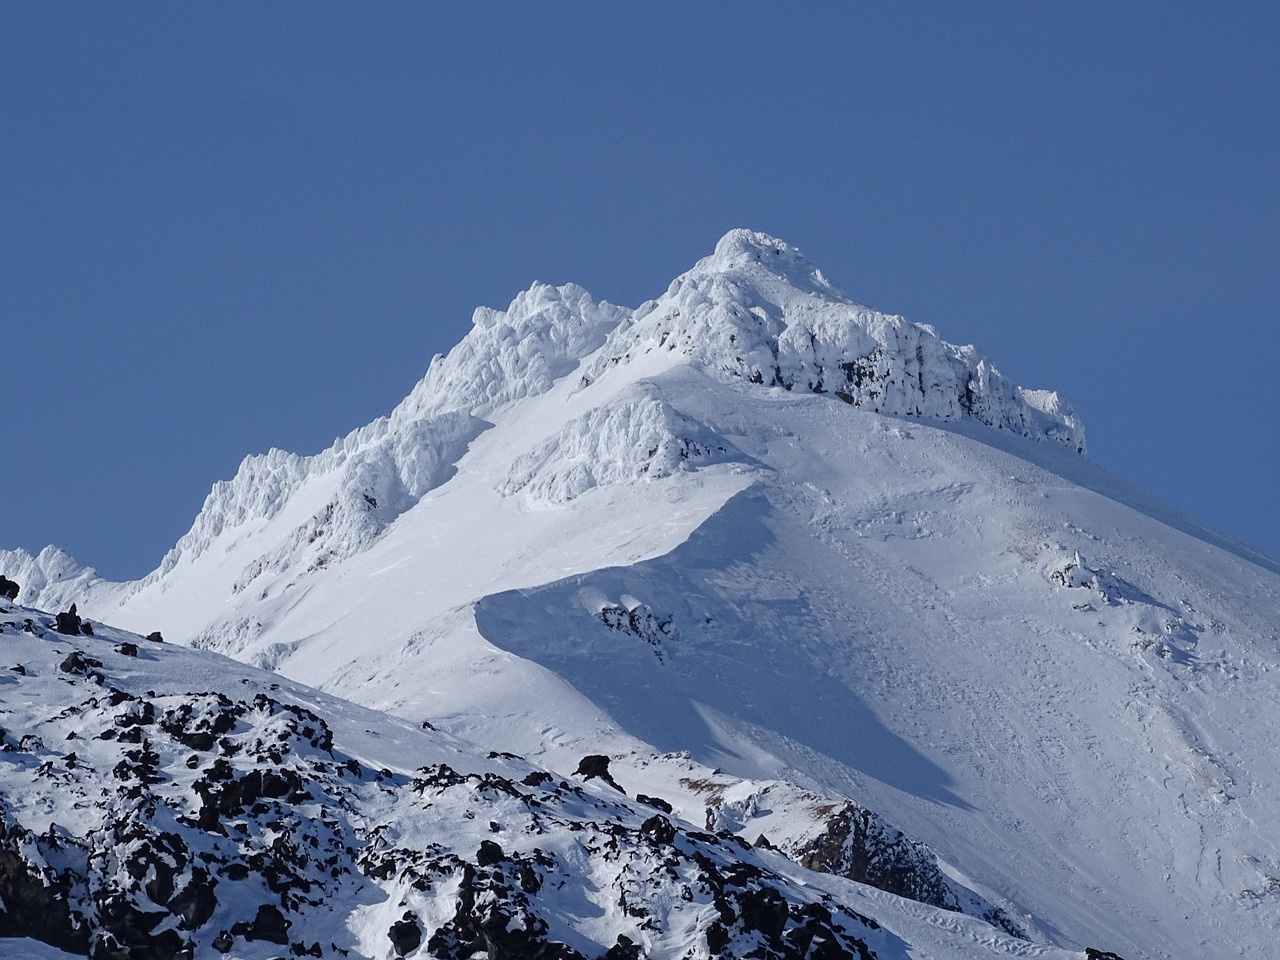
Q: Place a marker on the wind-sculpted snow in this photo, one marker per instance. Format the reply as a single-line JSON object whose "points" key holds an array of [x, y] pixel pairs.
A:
{"points": [[756, 309], [515, 353], [52, 573], [376, 472], [625, 442], [158, 804], [380, 471]]}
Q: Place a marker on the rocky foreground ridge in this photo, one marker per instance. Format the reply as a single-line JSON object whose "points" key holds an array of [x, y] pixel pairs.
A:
{"points": [[161, 803]]}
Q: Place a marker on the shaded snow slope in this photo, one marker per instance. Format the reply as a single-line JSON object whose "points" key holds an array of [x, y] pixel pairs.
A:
{"points": [[1067, 699], [159, 803]]}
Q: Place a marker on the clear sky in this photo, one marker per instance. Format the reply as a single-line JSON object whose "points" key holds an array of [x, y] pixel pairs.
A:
{"points": [[230, 227]]}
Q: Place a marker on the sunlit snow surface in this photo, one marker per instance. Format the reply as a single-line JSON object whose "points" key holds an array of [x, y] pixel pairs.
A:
{"points": [[665, 530]]}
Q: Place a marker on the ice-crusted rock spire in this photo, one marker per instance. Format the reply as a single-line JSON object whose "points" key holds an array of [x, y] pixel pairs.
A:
{"points": [[757, 309]]}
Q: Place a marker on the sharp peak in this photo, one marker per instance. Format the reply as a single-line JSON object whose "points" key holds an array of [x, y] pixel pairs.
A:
{"points": [[743, 251], [742, 240]]}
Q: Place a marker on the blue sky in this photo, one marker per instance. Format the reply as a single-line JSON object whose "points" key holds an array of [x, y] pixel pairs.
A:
{"points": [[226, 228]]}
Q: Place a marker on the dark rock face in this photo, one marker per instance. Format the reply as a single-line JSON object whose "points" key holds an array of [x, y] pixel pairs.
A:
{"points": [[1091, 954], [154, 637], [660, 829], [641, 622], [8, 589], [77, 663], [596, 765], [656, 802], [859, 845], [37, 899], [488, 854], [68, 623], [624, 949], [405, 935], [269, 924]]}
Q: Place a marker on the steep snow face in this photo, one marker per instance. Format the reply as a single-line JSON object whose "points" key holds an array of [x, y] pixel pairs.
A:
{"points": [[375, 475], [385, 467], [756, 309], [51, 574]]}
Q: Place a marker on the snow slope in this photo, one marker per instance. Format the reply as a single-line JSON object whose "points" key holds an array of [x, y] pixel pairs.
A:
{"points": [[800, 542], [157, 802]]}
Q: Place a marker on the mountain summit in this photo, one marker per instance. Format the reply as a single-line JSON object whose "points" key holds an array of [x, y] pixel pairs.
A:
{"points": [[802, 569]]}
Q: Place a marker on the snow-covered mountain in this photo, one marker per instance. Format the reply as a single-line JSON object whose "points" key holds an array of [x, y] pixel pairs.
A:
{"points": [[774, 552]]}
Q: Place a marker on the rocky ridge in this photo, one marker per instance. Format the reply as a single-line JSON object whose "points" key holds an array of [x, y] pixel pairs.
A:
{"points": [[161, 803]]}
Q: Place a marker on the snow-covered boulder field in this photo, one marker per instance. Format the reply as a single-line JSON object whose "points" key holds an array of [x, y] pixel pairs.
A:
{"points": [[162, 803]]}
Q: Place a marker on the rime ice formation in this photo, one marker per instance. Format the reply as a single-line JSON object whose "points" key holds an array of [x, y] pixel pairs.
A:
{"points": [[628, 441], [757, 309]]}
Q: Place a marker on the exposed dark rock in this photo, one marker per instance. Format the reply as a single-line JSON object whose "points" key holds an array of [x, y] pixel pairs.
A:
{"points": [[596, 765], [659, 828], [656, 802], [624, 949], [405, 935], [488, 854], [269, 924], [1091, 954], [154, 637], [195, 903], [127, 649], [68, 622], [77, 663], [764, 909], [8, 589], [858, 845], [36, 899]]}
